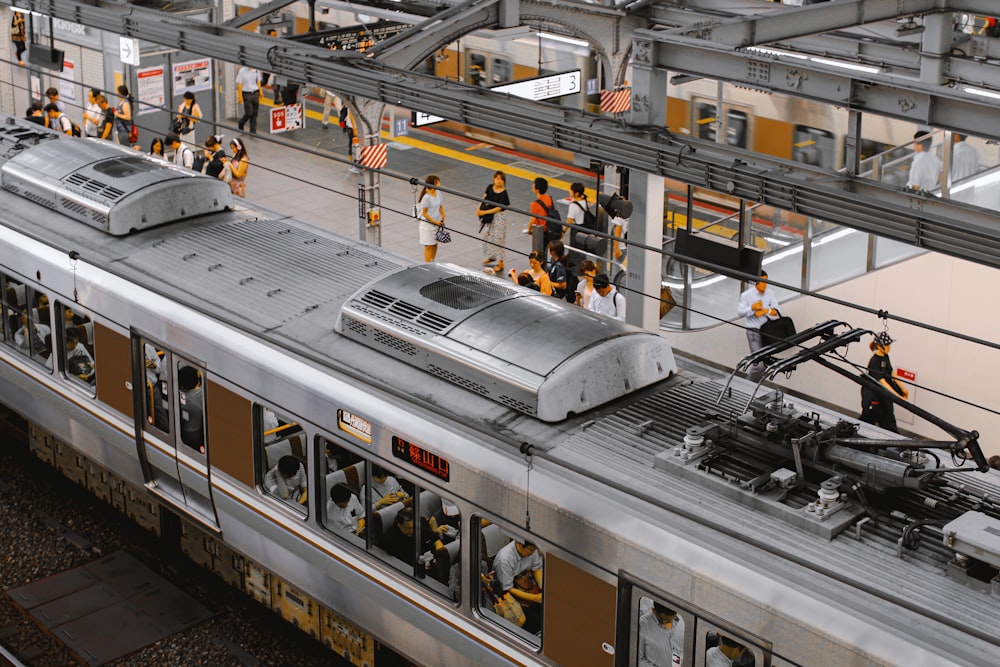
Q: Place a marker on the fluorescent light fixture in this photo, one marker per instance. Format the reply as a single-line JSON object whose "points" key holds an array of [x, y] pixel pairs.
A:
{"points": [[981, 92], [777, 52], [868, 69], [986, 179], [560, 38]]}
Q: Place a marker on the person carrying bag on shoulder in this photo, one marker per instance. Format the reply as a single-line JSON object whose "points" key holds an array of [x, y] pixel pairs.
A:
{"points": [[493, 220]]}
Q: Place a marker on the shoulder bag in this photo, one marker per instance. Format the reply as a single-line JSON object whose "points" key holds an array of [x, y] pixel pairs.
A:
{"points": [[442, 235]]}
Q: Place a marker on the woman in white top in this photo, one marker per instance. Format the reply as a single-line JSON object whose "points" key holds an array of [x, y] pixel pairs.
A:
{"points": [[431, 216], [579, 204]]}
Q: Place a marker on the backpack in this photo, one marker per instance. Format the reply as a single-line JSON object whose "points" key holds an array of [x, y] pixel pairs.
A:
{"points": [[589, 219], [551, 228], [74, 128], [572, 282]]}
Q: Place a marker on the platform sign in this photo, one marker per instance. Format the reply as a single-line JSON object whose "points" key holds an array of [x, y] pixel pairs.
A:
{"points": [[592, 86], [286, 118], [539, 88], [400, 127], [128, 50]]}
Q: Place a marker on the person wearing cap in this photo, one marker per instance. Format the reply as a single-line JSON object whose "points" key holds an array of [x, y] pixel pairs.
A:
{"points": [[876, 408], [758, 304], [606, 300], [725, 654], [661, 637]]}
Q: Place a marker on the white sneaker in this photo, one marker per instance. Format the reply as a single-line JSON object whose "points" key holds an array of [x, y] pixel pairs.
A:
{"points": [[353, 169]]}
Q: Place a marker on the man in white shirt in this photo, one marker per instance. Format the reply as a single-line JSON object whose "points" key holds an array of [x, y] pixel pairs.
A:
{"points": [[343, 509], [183, 156], [248, 82], [925, 169], [661, 638], [964, 159], [758, 304], [606, 300]]}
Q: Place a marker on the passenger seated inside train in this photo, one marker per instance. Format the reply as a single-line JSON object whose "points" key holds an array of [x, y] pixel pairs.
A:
{"points": [[385, 490], [344, 511], [517, 570], [192, 400], [78, 359], [34, 335], [398, 539], [156, 389], [661, 637], [287, 480], [728, 653]]}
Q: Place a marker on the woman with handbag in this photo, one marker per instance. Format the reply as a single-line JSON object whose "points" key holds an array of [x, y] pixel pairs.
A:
{"points": [[187, 117], [431, 217], [493, 221], [238, 166], [125, 130]]}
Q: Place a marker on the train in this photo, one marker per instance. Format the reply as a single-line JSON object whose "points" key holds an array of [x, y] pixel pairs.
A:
{"points": [[238, 381]]}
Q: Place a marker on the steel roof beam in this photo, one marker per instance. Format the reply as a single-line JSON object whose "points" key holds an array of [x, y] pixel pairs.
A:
{"points": [[928, 222], [259, 13], [443, 28]]}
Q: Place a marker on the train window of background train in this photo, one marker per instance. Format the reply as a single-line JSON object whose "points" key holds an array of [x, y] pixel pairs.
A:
{"points": [[813, 146], [665, 634], [511, 581], [736, 125], [282, 458], [27, 320], [723, 648], [413, 529], [156, 405], [477, 70], [77, 347]]}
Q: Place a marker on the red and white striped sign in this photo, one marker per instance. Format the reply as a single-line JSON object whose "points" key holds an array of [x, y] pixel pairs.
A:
{"points": [[373, 156], [616, 101]]}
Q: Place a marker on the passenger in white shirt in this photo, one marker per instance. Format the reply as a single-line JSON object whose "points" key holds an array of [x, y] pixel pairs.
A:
{"points": [[606, 300], [925, 169], [964, 159], [343, 510]]}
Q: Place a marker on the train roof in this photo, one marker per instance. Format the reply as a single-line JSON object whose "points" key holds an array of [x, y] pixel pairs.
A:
{"points": [[288, 283]]}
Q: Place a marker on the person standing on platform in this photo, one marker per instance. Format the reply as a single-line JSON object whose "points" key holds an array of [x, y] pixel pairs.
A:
{"points": [[757, 305], [330, 103], [248, 81], [964, 159], [123, 116], [606, 300], [542, 232], [92, 114], [273, 78], [493, 222], [431, 213], [188, 115], [53, 96], [925, 169], [183, 155], [875, 408], [347, 125], [238, 167], [18, 35], [106, 129]]}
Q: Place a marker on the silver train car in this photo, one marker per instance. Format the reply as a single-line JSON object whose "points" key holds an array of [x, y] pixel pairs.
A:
{"points": [[371, 448]]}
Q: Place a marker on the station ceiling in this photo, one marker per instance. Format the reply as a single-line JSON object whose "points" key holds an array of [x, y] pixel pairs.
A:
{"points": [[722, 32]]}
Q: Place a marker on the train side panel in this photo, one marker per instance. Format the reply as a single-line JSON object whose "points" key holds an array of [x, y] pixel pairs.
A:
{"points": [[230, 432], [579, 615]]}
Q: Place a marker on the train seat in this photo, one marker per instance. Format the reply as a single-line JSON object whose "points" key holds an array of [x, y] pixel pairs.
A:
{"points": [[355, 477], [492, 540], [444, 558], [276, 451], [381, 520], [430, 504]]}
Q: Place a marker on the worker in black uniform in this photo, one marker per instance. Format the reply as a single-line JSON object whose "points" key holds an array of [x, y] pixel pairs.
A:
{"points": [[875, 408]]}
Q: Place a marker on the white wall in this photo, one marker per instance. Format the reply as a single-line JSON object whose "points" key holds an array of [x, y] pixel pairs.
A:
{"points": [[952, 294]]}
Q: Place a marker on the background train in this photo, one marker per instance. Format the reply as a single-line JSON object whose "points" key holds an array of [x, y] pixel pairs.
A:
{"points": [[221, 337]]}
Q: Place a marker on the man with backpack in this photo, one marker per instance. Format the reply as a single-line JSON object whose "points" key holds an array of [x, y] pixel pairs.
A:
{"points": [[543, 232], [183, 156], [606, 300], [60, 122]]}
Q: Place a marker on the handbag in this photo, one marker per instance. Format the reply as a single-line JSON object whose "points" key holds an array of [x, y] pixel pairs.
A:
{"points": [[442, 235], [177, 126], [133, 134], [777, 330]]}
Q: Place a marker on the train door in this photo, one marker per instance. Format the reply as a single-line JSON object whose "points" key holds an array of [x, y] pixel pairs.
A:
{"points": [[487, 70], [734, 124], [170, 428]]}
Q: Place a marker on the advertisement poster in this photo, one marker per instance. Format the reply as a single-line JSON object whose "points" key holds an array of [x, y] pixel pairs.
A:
{"points": [[150, 89], [67, 84], [193, 75]]}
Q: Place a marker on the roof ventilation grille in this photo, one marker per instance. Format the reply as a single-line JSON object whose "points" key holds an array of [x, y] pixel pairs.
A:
{"points": [[398, 344], [458, 379], [520, 406], [465, 292], [405, 310]]}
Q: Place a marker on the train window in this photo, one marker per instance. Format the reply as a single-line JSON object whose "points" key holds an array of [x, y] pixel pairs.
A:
{"points": [[191, 406], [813, 146], [282, 457], [77, 347], [157, 395], [500, 71], [665, 636], [737, 128], [477, 70], [415, 530], [705, 120], [27, 320], [511, 568], [722, 648]]}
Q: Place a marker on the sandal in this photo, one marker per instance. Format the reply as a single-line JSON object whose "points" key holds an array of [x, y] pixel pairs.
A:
{"points": [[498, 269], [487, 262]]}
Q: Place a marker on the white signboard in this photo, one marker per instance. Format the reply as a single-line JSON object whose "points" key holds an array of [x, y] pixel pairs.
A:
{"points": [[150, 89], [128, 50], [541, 88], [67, 84], [193, 75], [286, 118]]}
